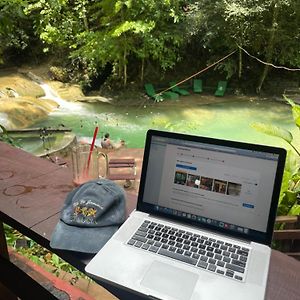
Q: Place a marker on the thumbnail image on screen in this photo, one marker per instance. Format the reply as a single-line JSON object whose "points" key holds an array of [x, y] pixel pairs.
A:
{"points": [[193, 180], [180, 177], [207, 183]]}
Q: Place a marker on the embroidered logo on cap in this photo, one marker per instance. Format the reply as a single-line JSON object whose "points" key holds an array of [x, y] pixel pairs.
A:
{"points": [[85, 211]]}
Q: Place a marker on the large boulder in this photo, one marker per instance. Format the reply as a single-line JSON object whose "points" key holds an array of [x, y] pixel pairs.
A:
{"points": [[20, 85], [20, 102], [22, 112]]}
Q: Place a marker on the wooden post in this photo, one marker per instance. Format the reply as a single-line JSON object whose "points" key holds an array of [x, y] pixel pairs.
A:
{"points": [[3, 245], [5, 294]]}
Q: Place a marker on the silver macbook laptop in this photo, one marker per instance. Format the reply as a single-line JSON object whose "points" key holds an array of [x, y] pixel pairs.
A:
{"points": [[203, 224]]}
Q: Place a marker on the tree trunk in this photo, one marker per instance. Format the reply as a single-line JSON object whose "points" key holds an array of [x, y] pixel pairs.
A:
{"points": [[270, 48], [262, 78], [85, 20], [125, 67], [142, 69], [86, 23], [120, 68], [240, 63]]}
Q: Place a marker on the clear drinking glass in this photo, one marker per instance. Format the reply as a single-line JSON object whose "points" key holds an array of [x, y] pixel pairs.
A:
{"points": [[85, 163]]}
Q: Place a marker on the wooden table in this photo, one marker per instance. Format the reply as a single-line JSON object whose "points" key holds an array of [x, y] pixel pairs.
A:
{"points": [[32, 193]]}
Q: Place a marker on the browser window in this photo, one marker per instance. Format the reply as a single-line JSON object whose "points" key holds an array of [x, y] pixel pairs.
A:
{"points": [[222, 186]]}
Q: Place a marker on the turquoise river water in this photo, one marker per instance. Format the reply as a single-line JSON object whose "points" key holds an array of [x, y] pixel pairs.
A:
{"points": [[226, 120]]}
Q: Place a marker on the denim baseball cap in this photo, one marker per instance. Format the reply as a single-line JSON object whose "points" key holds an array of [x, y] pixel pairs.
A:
{"points": [[91, 214]]}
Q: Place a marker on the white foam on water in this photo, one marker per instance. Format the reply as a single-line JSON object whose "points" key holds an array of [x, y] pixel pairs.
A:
{"points": [[88, 140], [64, 106], [4, 120]]}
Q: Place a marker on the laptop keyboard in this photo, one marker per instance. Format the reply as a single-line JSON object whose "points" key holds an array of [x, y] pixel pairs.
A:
{"points": [[220, 257]]}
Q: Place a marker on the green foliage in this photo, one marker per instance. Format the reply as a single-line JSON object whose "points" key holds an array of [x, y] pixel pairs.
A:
{"points": [[6, 138], [56, 23], [268, 29], [86, 35], [15, 27], [109, 31], [59, 73], [38, 254], [274, 131], [290, 188]]}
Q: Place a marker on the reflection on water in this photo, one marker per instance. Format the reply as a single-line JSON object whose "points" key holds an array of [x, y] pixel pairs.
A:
{"points": [[230, 120], [43, 144]]}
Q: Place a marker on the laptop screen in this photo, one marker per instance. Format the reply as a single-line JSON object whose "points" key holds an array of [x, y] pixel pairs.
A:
{"points": [[226, 186]]}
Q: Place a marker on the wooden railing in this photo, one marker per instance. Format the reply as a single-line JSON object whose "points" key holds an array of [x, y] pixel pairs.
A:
{"points": [[287, 238]]}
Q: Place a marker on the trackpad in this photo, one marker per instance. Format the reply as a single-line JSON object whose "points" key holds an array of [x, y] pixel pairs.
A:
{"points": [[171, 281]]}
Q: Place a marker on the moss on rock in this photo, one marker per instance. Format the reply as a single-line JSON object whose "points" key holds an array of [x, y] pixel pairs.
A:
{"points": [[22, 112]]}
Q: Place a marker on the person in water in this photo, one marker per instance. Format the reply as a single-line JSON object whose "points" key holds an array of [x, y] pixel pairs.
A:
{"points": [[106, 143]]}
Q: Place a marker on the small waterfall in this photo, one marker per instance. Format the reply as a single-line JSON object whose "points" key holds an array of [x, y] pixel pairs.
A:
{"points": [[64, 106]]}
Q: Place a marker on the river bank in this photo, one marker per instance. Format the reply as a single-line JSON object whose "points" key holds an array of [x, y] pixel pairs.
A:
{"points": [[129, 115], [28, 95]]}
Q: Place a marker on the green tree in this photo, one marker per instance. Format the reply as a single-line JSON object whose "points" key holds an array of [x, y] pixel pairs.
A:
{"points": [[279, 42], [139, 30], [57, 23], [269, 29], [94, 33], [88, 34], [15, 27]]}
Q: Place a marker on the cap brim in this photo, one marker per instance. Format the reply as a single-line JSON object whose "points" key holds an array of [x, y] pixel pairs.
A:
{"points": [[80, 239]]}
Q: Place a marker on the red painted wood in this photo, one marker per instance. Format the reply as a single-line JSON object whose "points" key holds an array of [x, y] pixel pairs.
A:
{"points": [[46, 227], [121, 165], [35, 199], [34, 191], [52, 283], [129, 161], [127, 176], [17, 166]]}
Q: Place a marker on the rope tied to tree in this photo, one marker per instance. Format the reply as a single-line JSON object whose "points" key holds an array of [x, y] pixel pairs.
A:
{"points": [[201, 71], [266, 63]]}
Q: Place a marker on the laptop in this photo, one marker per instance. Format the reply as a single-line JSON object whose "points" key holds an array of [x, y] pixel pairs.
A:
{"points": [[203, 224]]}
